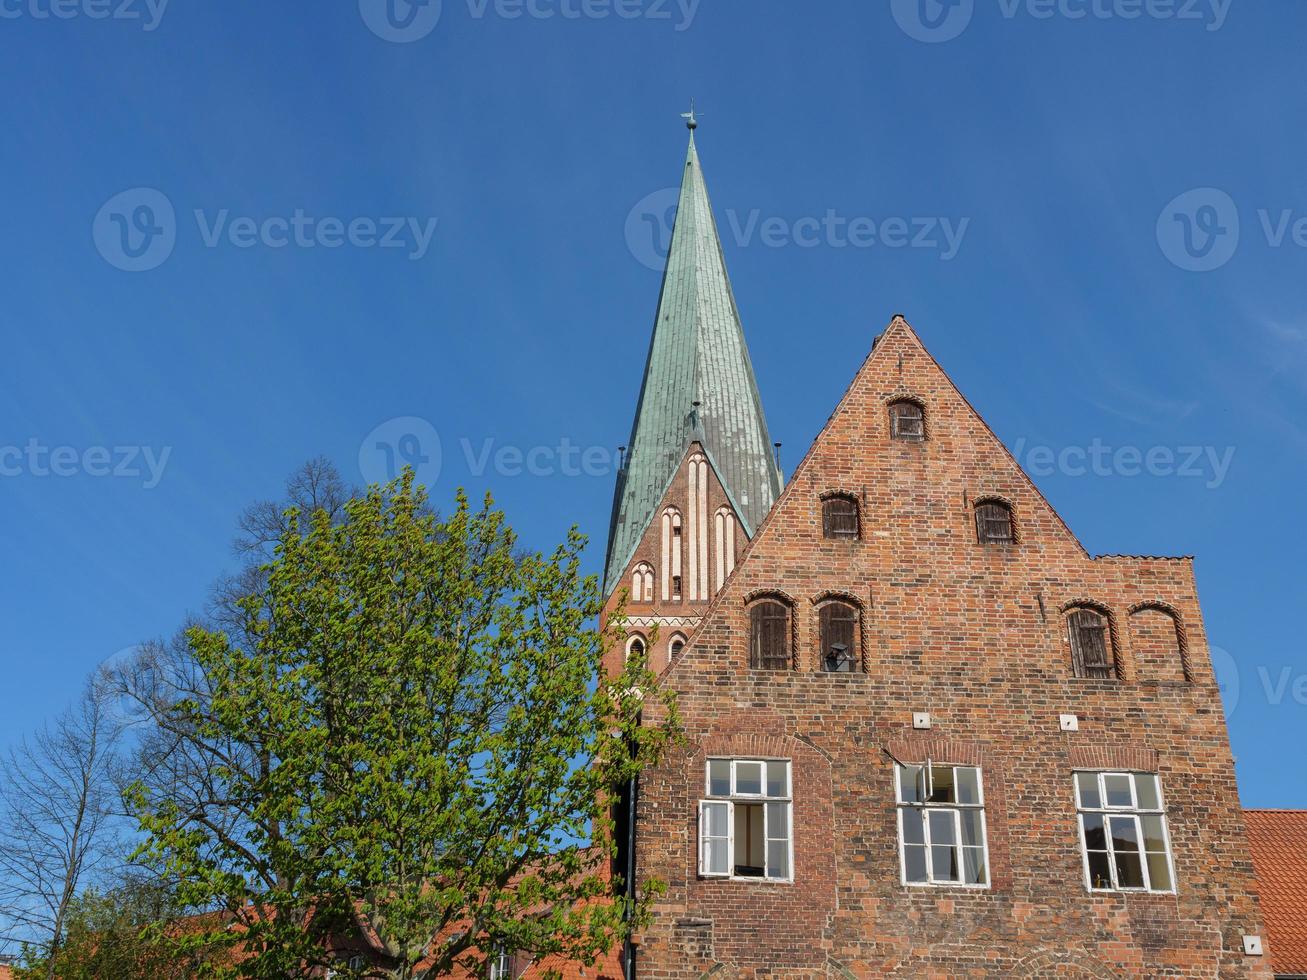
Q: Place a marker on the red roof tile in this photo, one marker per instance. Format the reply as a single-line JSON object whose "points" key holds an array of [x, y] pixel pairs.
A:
{"points": [[1279, 845]]}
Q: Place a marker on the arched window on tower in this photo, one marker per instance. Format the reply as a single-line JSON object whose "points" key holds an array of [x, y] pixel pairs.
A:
{"points": [[636, 646], [642, 583], [672, 551], [724, 544]]}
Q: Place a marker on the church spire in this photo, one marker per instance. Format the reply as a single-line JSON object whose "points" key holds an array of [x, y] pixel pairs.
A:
{"points": [[698, 385]]}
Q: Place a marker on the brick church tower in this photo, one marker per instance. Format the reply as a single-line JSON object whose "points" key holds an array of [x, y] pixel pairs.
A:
{"points": [[928, 734]]}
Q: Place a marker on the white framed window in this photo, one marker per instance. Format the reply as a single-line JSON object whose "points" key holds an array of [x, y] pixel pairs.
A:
{"points": [[942, 834], [746, 819], [1124, 836], [501, 965]]}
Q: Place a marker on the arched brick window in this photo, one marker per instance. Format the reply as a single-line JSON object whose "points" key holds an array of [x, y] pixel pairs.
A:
{"points": [[840, 653], [839, 517], [642, 583], [994, 523], [636, 647], [907, 421], [1092, 650], [769, 635], [675, 645]]}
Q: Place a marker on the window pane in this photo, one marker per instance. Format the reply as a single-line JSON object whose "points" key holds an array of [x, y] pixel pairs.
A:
{"points": [[1100, 875], [944, 863], [942, 789], [968, 785], [715, 819], [1125, 835], [973, 866], [973, 833], [778, 821], [1095, 833], [914, 827], [1154, 834], [914, 862], [776, 773], [1117, 787], [1087, 784], [1159, 873], [910, 784], [778, 859], [1129, 871], [942, 828], [748, 778], [715, 857], [1150, 797], [719, 777]]}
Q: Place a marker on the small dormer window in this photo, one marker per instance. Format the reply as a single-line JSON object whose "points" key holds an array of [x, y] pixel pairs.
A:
{"points": [[839, 517], [994, 523], [907, 421]]}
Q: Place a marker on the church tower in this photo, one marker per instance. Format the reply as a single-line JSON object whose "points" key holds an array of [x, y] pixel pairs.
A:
{"points": [[700, 474]]}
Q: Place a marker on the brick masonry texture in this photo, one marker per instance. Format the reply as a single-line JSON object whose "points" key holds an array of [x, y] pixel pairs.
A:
{"points": [[974, 634]]}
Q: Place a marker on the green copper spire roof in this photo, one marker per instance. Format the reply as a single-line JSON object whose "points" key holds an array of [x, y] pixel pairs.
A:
{"points": [[698, 355]]}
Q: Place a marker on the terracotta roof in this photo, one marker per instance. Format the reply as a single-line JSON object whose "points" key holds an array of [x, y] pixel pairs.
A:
{"points": [[1279, 844]]}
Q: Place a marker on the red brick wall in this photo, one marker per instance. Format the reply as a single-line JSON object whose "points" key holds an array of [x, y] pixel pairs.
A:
{"points": [[976, 636]]}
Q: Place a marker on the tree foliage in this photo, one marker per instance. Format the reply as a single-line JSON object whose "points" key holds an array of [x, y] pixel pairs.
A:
{"points": [[405, 736]]}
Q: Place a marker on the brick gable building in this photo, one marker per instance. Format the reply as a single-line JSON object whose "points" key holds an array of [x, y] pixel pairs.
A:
{"points": [[928, 734]]}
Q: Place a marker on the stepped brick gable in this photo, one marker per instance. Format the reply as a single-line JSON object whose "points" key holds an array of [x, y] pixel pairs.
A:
{"points": [[942, 583]]}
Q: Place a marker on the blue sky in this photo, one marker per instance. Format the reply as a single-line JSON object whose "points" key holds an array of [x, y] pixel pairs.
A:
{"points": [[1120, 182]]}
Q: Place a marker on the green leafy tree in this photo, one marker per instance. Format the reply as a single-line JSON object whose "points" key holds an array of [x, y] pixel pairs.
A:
{"points": [[118, 933], [409, 739]]}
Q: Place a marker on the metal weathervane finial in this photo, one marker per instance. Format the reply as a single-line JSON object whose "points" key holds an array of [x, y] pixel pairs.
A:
{"points": [[691, 120]]}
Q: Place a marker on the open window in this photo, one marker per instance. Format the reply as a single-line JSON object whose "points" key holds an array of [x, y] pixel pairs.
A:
{"points": [[942, 832], [745, 820], [769, 635], [1123, 832], [1090, 634], [839, 638]]}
